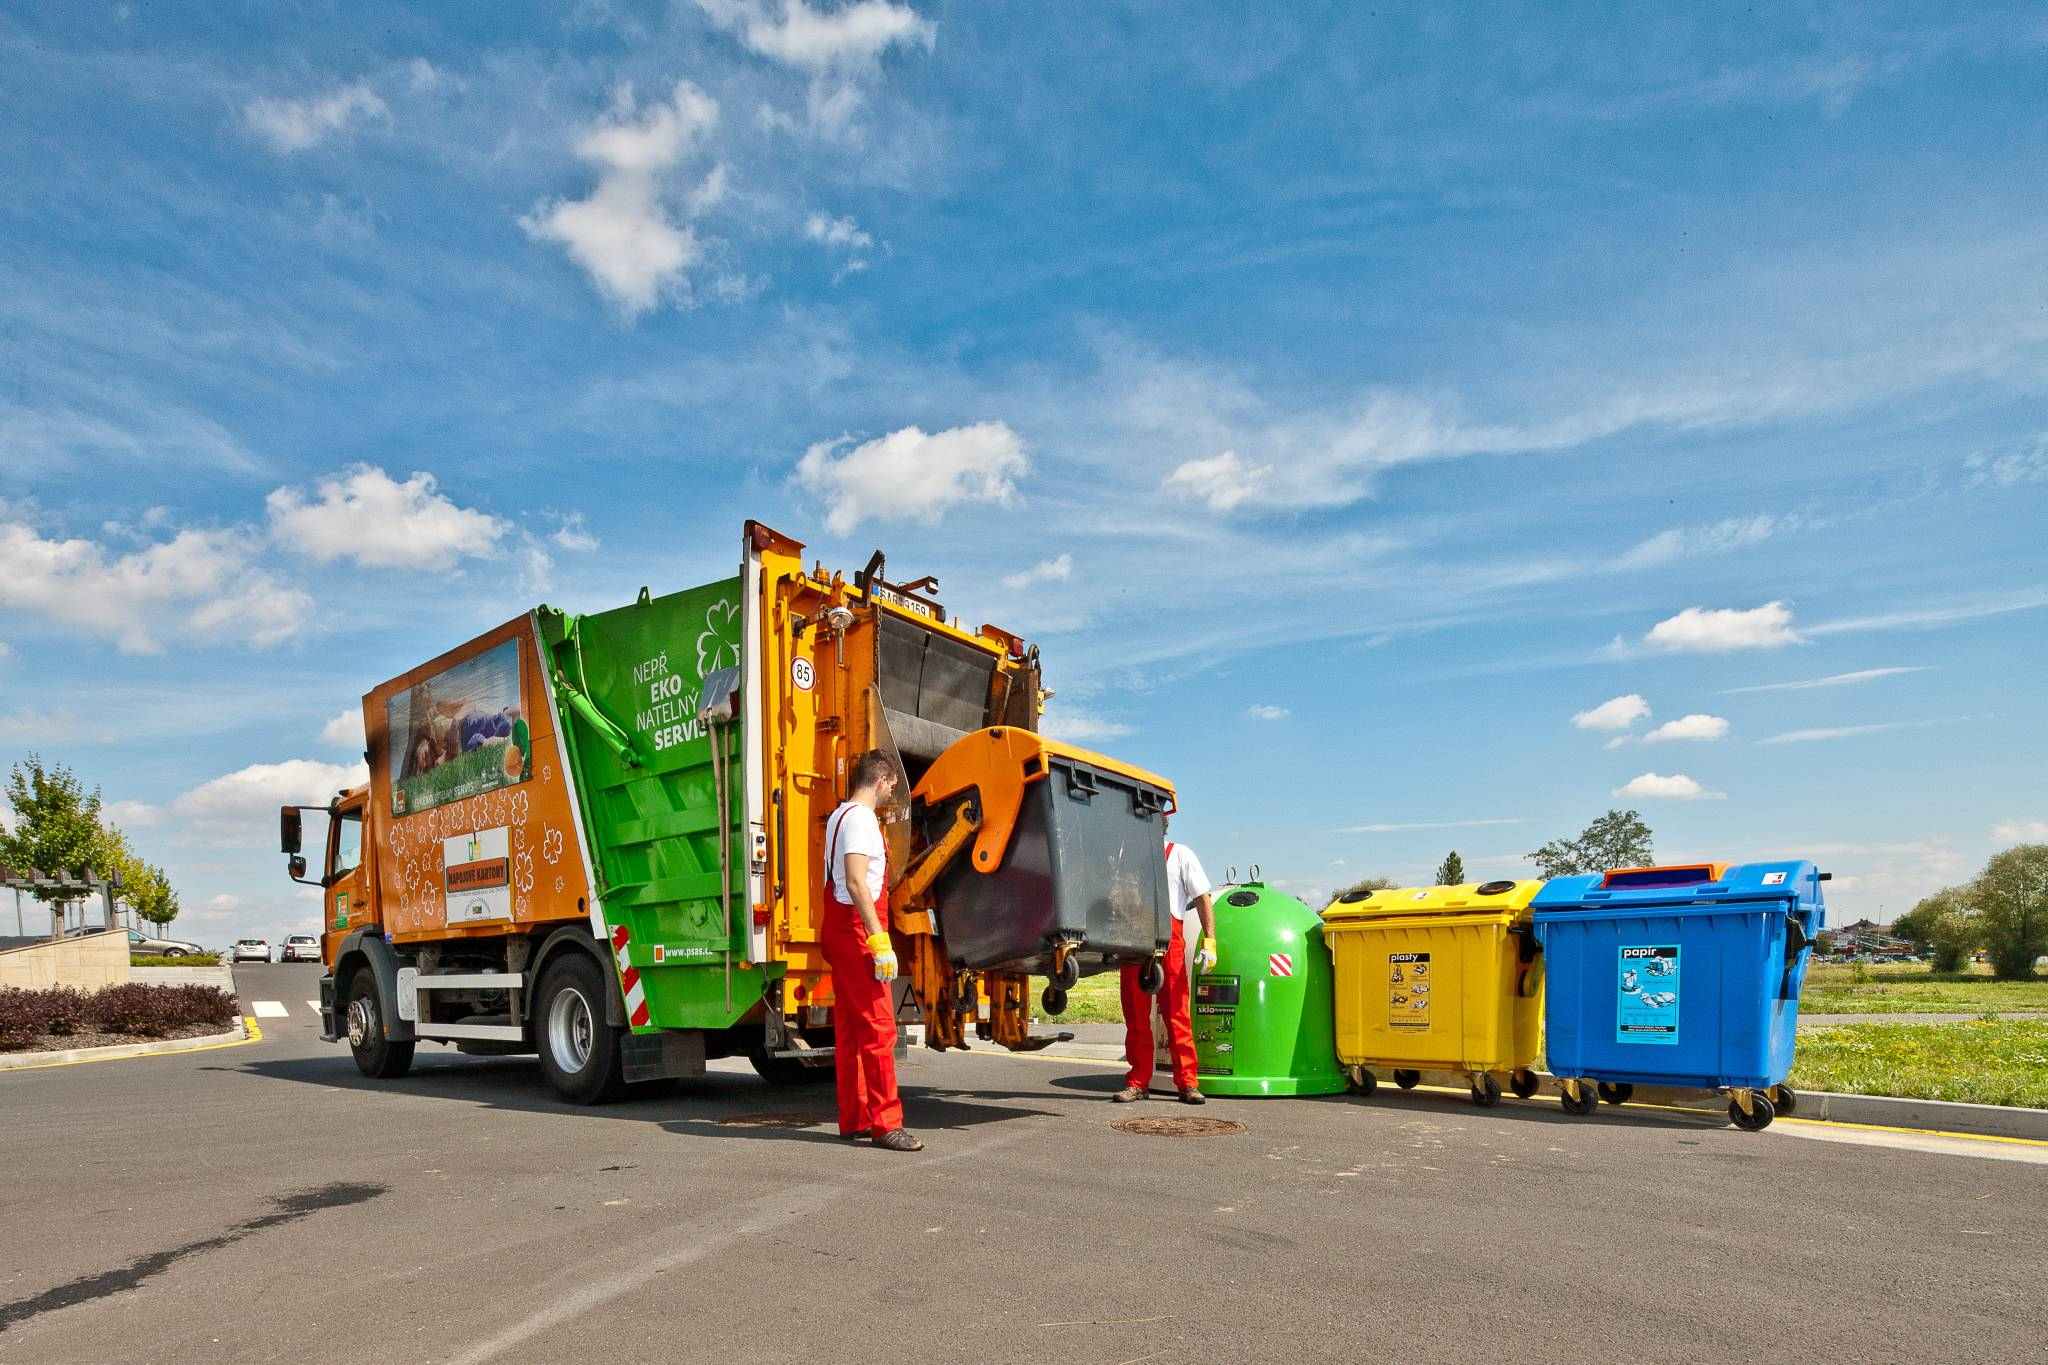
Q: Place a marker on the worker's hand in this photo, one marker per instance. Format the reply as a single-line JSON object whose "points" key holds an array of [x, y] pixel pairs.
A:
{"points": [[884, 949], [1205, 956]]}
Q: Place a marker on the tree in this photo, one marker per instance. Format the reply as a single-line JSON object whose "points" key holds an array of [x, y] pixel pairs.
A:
{"points": [[56, 827], [1946, 926], [1451, 871], [1368, 885], [152, 897], [1617, 839], [2011, 900]]}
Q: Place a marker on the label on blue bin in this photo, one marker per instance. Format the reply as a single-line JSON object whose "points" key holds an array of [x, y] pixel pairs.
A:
{"points": [[1648, 1009]]}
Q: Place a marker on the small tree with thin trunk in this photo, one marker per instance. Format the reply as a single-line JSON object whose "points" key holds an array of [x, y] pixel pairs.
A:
{"points": [[56, 828], [2011, 899], [1451, 871]]}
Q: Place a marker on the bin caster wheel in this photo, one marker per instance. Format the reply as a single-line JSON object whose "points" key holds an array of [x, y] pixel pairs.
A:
{"points": [[1620, 1092], [1759, 1116], [1485, 1090], [1363, 1082], [1152, 976], [1784, 1100], [1053, 999], [1523, 1083], [1585, 1104], [1067, 974], [1407, 1080]]}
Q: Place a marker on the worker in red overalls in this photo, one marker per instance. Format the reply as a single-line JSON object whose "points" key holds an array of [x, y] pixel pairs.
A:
{"points": [[1188, 895], [856, 943]]}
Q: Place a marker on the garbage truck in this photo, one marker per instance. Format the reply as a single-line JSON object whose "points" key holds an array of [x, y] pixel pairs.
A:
{"points": [[599, 838]]}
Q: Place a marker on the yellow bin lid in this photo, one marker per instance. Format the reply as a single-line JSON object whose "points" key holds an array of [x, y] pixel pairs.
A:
{"points": [[1473, 897]]}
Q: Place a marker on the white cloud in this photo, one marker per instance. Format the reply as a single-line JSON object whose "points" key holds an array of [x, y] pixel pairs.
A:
{"points": [[1657, 787], [853, 35], [131, 814], [1080, 727], [198, 584], [842, 233], [1699, 630], [345, 731], [1223, 482], [293, 125], [365, 515], [1409, 826], [1692, 727], [573, 536], [2001, 604], [1849, 731], [1055, 570], [1267, 712], [1861, 675], [2020, 832], [1685, 542], [1616, 713], [623, 234], [2011, 469], [243, 804], [909, 475]]}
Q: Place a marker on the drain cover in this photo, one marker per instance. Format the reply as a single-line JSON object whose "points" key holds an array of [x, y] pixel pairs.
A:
{"points": [[771, 1121], [1178, 1127]]}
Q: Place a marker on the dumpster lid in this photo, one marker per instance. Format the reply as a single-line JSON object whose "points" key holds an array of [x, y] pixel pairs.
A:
{"points": [[1486, 898], [1796, 882]]}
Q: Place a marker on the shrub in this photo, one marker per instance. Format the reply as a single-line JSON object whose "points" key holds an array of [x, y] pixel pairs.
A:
{"points": [[2011, 898], [63, 1010], [21, 1022], [189, 960], [153, 1011]]}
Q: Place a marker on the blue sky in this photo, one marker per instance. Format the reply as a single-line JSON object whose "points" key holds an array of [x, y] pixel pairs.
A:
{"points": [[1361, 409]]}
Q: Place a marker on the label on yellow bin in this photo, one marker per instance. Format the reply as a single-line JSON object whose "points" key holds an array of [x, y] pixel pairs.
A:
{"points": [[1408, 987]]}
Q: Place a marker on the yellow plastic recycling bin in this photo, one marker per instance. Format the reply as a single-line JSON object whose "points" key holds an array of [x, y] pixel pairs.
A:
{"points": [[1438, 978]]}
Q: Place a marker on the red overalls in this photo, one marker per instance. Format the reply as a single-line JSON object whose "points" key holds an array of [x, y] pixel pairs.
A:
{"points": [[1173, 1003], [863, 1014]]}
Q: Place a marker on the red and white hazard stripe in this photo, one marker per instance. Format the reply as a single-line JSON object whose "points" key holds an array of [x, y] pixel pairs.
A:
{"points": [[1280, 964], [629, 977]]}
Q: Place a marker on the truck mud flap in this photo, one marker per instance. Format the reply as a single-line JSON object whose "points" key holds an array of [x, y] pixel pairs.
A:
{"points": [[669, 1055]]}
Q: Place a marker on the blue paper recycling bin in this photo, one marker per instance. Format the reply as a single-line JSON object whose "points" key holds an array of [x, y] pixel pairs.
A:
{"points": [[1678, 976]]}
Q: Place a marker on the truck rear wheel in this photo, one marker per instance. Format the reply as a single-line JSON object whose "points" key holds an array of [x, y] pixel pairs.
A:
{"points": [[579, 1051], [376, 1055]]}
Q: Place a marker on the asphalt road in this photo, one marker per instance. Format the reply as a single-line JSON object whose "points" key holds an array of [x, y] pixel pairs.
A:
{"points": [[266, 1203]]}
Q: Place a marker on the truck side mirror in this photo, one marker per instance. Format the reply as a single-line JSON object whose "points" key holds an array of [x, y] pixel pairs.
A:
{"points": [[297, 867], [289, 836]]}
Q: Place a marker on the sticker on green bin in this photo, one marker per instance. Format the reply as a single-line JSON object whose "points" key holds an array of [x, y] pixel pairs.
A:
{"points": [[1648, 1008], [1408, 991], [1216, 1024]]}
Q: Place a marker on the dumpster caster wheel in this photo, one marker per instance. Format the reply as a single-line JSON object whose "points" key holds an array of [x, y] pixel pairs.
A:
{"points": [[1620, 1092], [1757, 1119], [1152, 976], [1407, 1080], [1585, 1104], [1067, 974], [1363, 1082], [1054, 1000], [1784, 1100], [1523, 1083], [1485, 1090]]}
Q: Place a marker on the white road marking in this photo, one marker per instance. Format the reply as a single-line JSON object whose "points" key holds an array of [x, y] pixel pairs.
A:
{"points": [[269, 1009], [313, 1005]]}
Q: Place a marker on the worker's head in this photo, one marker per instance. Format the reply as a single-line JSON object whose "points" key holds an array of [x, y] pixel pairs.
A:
{"points": [[874, 770]]}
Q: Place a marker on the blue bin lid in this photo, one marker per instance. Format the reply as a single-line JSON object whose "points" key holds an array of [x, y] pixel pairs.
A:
{"points": [[1796, 883]]}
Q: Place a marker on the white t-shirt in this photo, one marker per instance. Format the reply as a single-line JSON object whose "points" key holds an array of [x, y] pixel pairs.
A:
{"points": [[853, 828], [1185, 880]]}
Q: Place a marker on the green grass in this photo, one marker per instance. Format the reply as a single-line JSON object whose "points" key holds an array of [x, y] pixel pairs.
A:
{"points": [[1094, 1001], [482, 769], [189, 960], [1983, 1062], [1913, 988]]}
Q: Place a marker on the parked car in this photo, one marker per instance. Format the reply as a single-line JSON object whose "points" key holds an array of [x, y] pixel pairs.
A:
{"points": [[142, 945], [299, 948], [252, 950]]}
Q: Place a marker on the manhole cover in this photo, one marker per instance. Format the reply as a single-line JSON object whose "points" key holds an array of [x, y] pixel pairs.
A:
{"points": [[1178, 1127], [770, 1121]]}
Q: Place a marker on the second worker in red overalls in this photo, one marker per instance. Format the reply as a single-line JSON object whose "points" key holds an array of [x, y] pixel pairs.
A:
{"points": [[856, 943]]}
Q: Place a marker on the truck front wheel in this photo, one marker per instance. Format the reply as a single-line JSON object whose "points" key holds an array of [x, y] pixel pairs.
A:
{"points": [[579, 1051], [376, 1055]]}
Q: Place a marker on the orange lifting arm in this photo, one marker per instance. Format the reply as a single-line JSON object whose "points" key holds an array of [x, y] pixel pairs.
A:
{"points": [[999, 764]]}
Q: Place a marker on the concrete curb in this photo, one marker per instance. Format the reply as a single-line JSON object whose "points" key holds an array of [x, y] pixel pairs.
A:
{"points": [[1988, 1120], [32, 1061]]}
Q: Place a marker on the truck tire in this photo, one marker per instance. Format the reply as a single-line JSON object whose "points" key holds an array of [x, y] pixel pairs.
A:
{"points": [[579, 1051], [376, 1055]]}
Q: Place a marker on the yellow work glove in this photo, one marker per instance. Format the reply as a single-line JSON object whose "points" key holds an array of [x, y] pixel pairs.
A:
{"points": [[884, 950], [1205, 956]]}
